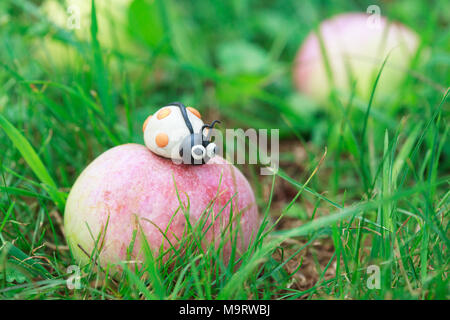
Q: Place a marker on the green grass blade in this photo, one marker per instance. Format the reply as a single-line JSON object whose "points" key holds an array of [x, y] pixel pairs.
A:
{"points": [[33, 160]]}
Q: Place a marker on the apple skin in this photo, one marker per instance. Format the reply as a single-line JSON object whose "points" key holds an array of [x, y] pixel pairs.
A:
{"points": [[132, 186], [352, 43]]}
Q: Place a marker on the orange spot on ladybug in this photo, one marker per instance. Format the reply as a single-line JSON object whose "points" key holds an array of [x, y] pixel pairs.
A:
{"points": [[162, 140], [145, 123], [163, 113], [195, 112]]}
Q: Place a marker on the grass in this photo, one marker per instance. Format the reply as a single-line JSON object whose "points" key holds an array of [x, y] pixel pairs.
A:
{"points": [[378, 196]]}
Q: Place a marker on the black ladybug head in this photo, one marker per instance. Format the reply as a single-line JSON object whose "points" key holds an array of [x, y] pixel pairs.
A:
{"points": [[196, 148]]}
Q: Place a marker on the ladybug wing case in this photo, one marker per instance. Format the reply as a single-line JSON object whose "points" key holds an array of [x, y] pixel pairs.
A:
{"points": [[165, 131]]}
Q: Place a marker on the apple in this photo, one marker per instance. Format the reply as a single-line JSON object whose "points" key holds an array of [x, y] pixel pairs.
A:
{"points": [[75, 16], [356, 45], [130, 188]]}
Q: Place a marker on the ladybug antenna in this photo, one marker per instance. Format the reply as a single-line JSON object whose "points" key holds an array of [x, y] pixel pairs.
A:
{"points": [[210, 126], [214, 123]]}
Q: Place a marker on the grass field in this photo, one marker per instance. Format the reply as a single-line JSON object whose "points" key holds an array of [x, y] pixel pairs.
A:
{"points": [[362, 187]]}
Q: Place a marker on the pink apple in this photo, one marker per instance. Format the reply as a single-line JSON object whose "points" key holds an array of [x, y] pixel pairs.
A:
{"points": [[356, 45], [131, 185]]}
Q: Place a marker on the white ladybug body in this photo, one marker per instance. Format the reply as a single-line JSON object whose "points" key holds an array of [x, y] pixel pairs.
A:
{"points": [[177, 132]]}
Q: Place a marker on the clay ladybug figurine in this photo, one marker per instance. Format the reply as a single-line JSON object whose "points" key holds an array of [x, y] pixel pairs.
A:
{"points": [[177, 132]]}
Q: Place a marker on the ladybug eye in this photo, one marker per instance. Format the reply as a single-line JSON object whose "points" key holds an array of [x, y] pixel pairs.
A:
{"points": [[211, 150], [198, 152], [205, 132]]}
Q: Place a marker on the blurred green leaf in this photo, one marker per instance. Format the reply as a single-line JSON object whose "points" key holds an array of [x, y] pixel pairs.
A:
{"points": [[304, 108], [240, 57], [272, 23], [145, 22], [13, 275], [187, 41], [238, 90]]}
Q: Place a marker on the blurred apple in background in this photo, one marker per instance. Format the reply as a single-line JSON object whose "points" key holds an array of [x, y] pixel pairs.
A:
{"points": [[356, 45], [58, 49]]}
